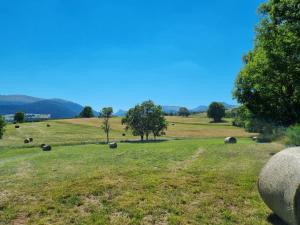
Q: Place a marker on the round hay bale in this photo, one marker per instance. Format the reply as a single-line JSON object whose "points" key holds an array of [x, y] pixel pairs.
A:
{"points": [[26, 140], [230, 140], [279, 185], [113, 145], [47, 148], [31, 139], [17, 126], [254, 138]]}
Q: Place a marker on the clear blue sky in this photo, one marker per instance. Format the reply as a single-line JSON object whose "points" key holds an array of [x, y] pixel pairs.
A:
{"points": [[121, 52]]}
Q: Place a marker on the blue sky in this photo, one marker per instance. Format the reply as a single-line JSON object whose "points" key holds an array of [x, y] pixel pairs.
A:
{"points": [[121, 52]]}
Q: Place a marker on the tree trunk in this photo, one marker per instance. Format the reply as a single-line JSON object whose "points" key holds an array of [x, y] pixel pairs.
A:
{"points": [[107, 137], [142, 137]]}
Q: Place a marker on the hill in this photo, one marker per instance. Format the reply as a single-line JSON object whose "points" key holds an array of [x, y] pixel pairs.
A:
{"points": [[58, 108]]}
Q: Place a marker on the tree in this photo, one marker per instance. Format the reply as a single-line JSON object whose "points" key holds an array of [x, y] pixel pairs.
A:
{"points": [[216, 111], [87, 112], [145, 119], [269, 83], [184, 112], [19, 117], [106, 114], [2, 126]]}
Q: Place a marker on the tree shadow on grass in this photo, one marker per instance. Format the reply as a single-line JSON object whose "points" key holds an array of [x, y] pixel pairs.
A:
{"points": [[275, 220], [144, 142], [218, 122]]}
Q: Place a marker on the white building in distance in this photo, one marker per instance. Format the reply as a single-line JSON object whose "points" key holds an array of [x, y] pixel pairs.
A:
{"points": [[29, 117]]}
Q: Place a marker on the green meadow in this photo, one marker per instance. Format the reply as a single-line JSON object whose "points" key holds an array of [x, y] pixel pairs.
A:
{"points": [[188, 177]]}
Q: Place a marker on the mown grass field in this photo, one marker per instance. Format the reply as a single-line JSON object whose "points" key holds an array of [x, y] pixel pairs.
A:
{"points": [[194, 180], [84, 131]]}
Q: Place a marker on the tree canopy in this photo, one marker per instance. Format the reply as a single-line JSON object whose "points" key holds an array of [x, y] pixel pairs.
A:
{"points": [[19, 117], [106, 114], [145, 119], [183, 111], [269, 83], [216, 111], [87, 112], [2, 126]]}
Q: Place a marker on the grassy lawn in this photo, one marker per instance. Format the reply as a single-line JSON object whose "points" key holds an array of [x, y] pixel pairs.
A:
{"points": [[195, 181]]}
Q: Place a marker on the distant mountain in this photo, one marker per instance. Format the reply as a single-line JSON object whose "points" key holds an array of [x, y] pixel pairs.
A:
{"points": [[17, 99], [201, 108], [120, 113], [58, 108], [170, 109], [228, 106]]}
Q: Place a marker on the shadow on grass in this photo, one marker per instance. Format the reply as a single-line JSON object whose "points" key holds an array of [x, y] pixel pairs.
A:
{"points": [[275, 220], [144, 142], [218, 122]]}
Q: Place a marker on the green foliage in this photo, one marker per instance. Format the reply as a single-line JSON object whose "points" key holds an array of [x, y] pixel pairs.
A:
{"points": [[106, 114], [2, 126], [216, 111], [19, 117], [87, 112], [293, 135], [145, 119], [184, 112], [269, 83]]}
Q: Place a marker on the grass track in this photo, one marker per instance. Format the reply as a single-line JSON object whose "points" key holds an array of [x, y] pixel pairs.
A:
{"points": [[173, 182]]}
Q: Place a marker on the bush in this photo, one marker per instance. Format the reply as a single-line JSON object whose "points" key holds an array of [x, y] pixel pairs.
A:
{"points": [[293, 135], [2, 125]]}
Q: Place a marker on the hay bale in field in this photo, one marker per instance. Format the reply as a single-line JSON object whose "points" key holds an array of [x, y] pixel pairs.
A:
{"points": [[113, 145], [279, 185], [42, 145], [48, 125], [17, 126], [31, 139], [47, 148], [26, 140], [230, 140]]}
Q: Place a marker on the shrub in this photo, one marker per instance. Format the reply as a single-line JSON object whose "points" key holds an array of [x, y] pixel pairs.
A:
{"points": [[293, 135], [2, 125]]}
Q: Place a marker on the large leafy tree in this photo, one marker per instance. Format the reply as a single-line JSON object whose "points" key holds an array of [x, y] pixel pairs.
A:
{"points": [[19, 117], [216, 111], [87, 112], [2, 126], [106, 114], [145, 119], [269, 83], [183, 111]]}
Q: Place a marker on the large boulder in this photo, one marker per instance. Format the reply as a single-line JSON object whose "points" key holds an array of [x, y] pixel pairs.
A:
{"points": [[279, 185], [230, 140]]}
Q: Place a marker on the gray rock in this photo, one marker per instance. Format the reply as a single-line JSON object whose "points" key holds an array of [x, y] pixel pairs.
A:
{"points": [[230, 140], [279, 185]]}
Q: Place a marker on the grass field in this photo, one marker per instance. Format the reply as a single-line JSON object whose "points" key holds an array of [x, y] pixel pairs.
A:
{"points": [[80, 131], [195, 180]]}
